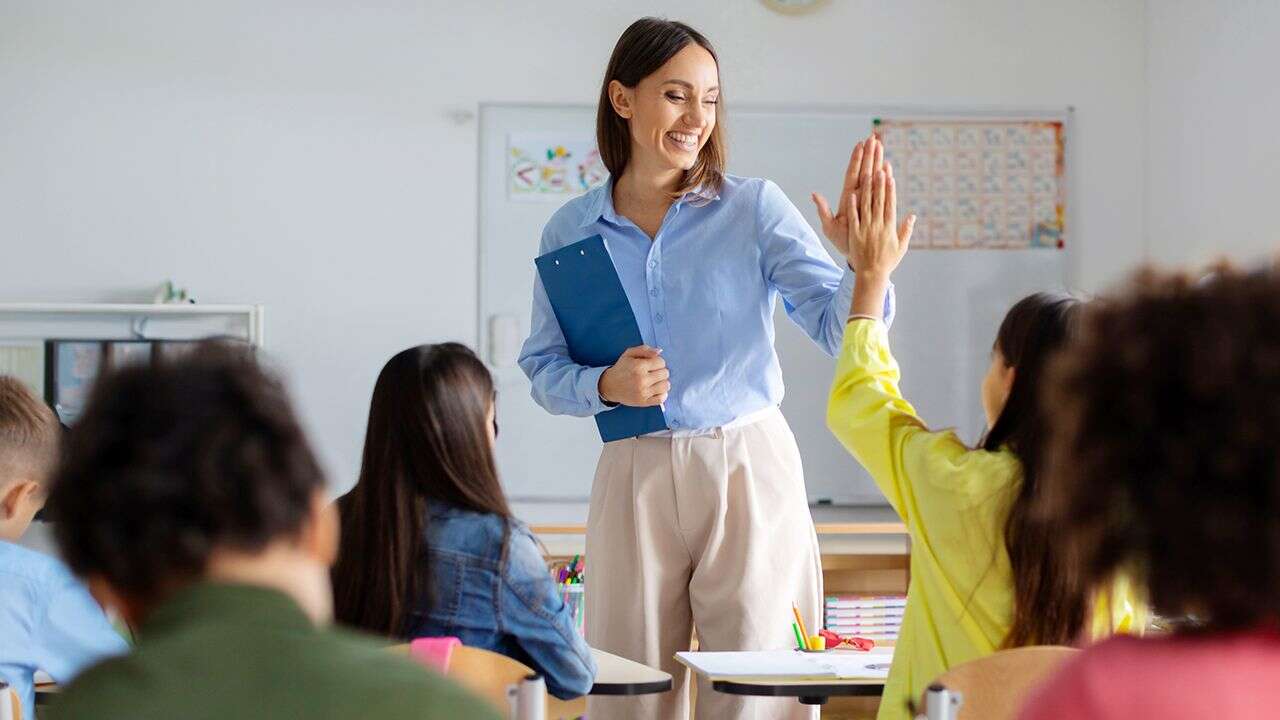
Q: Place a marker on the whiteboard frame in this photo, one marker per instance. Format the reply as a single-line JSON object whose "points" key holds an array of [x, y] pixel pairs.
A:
{"points": [[897, 111]]}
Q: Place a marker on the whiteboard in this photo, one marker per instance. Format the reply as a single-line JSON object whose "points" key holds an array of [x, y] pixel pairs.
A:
{"points": [[950, 302]]}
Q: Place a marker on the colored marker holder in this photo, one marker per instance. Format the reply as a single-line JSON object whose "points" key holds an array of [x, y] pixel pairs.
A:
{"points": [[574, 598]]}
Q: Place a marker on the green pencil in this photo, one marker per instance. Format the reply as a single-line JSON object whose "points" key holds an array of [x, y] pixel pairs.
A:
{"points": [[796, 629]]}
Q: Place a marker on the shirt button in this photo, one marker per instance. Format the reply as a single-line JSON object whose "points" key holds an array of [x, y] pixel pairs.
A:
{"points": [[654, 292], [675, 423], [658, 317], [653, 264]]}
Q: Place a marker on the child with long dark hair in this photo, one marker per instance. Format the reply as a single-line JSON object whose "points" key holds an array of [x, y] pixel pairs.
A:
{"points": [[984, 572], [429, 546]]}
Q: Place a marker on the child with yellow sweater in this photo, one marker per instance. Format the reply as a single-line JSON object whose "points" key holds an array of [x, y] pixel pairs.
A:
{"points": [[984, 571]]}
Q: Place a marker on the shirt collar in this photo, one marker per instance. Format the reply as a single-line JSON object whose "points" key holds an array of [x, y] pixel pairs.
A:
{"points": [[601, 207], [226, 602]]}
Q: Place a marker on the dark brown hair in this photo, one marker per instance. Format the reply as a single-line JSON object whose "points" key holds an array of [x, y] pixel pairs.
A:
{"points": [[1169, 410], [29, 433], [1048, 606], [173, 461], [427, 441], [644, 47]]}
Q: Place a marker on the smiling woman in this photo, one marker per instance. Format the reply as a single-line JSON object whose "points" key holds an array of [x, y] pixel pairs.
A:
{"points": [[706, 523], [664, 90]]}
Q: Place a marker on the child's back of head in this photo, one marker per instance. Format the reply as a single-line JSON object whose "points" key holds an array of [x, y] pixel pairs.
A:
{"points": [[1166, 457], [29, 437], [429, 439], [1164, 468], [192, 457]]}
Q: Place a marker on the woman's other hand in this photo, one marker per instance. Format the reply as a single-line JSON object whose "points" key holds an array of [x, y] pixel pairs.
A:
{"points": [[639, 378]]}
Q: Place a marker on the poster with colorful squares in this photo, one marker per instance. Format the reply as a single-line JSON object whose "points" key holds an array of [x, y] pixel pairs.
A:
{"points": [[979, 184]]}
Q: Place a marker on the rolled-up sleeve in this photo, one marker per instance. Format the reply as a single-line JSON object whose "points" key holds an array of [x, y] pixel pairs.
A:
{"points": [[560, 386]]}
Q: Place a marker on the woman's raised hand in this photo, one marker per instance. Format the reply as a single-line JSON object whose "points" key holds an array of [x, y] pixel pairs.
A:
{"points": [[866, 160]]}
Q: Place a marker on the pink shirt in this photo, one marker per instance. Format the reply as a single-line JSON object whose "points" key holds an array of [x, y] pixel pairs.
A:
{"points": [[1233, 676]]}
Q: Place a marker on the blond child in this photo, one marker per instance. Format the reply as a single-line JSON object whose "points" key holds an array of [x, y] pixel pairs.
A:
{"points": [[48, 621]]}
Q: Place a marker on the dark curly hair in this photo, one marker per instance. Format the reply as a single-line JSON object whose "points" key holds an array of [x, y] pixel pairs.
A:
{"points": [[1164, 465], [172, 461]]}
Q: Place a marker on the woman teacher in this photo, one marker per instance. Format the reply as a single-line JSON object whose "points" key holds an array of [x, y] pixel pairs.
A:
{"points": [[707, 523]]}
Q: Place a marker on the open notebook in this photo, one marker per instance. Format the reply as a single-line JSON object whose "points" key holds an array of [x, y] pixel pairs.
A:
{"points": [[791, 664]]}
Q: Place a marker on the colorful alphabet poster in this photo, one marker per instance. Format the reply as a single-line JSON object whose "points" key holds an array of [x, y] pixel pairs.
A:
{"points": [[979, 184], [549, 167]]}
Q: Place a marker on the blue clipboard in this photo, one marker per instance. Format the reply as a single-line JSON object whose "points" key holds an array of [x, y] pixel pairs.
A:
{"points": [[597, 322]]}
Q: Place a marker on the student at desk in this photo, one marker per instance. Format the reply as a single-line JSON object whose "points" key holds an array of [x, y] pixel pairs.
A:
{"points": [[48, 621], [429, 545], [1170, 406], [985, 574], [191, 501]]}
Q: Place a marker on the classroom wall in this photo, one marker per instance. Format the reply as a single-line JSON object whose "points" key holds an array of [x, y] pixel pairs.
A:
{"points": [[1213, 144], [316, 156]]}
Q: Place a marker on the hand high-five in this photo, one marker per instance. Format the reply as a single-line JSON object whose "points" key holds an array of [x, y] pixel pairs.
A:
{"points": [[876, 241], [640, 378], [866, 160]]}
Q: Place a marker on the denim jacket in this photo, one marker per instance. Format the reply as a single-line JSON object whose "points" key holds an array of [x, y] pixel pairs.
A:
{"points": [[499, 597]]}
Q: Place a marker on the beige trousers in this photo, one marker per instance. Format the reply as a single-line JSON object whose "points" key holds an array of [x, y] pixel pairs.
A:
{"points": [[713, 532]]}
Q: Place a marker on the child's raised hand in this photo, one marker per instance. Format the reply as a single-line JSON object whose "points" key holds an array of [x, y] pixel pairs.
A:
{"points": [[877, 242]]}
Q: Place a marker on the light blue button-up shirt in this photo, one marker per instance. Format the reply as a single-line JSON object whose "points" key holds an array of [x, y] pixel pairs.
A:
{"points": [[703, 290], [48, 622]]}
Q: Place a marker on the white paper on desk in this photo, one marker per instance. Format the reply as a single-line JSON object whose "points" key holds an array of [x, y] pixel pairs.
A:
{"points": [[859, 664], [759, 663], [791, 664]]}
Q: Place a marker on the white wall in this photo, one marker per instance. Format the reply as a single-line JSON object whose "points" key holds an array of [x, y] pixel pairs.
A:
{"points": [[1214, 129], [301, 154]]}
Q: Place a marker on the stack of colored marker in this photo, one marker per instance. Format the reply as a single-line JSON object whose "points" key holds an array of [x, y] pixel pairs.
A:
{"points": [[571, 574]]}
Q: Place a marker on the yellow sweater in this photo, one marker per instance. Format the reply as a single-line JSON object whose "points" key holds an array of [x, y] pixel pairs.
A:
{"points": [[954, 501]]}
